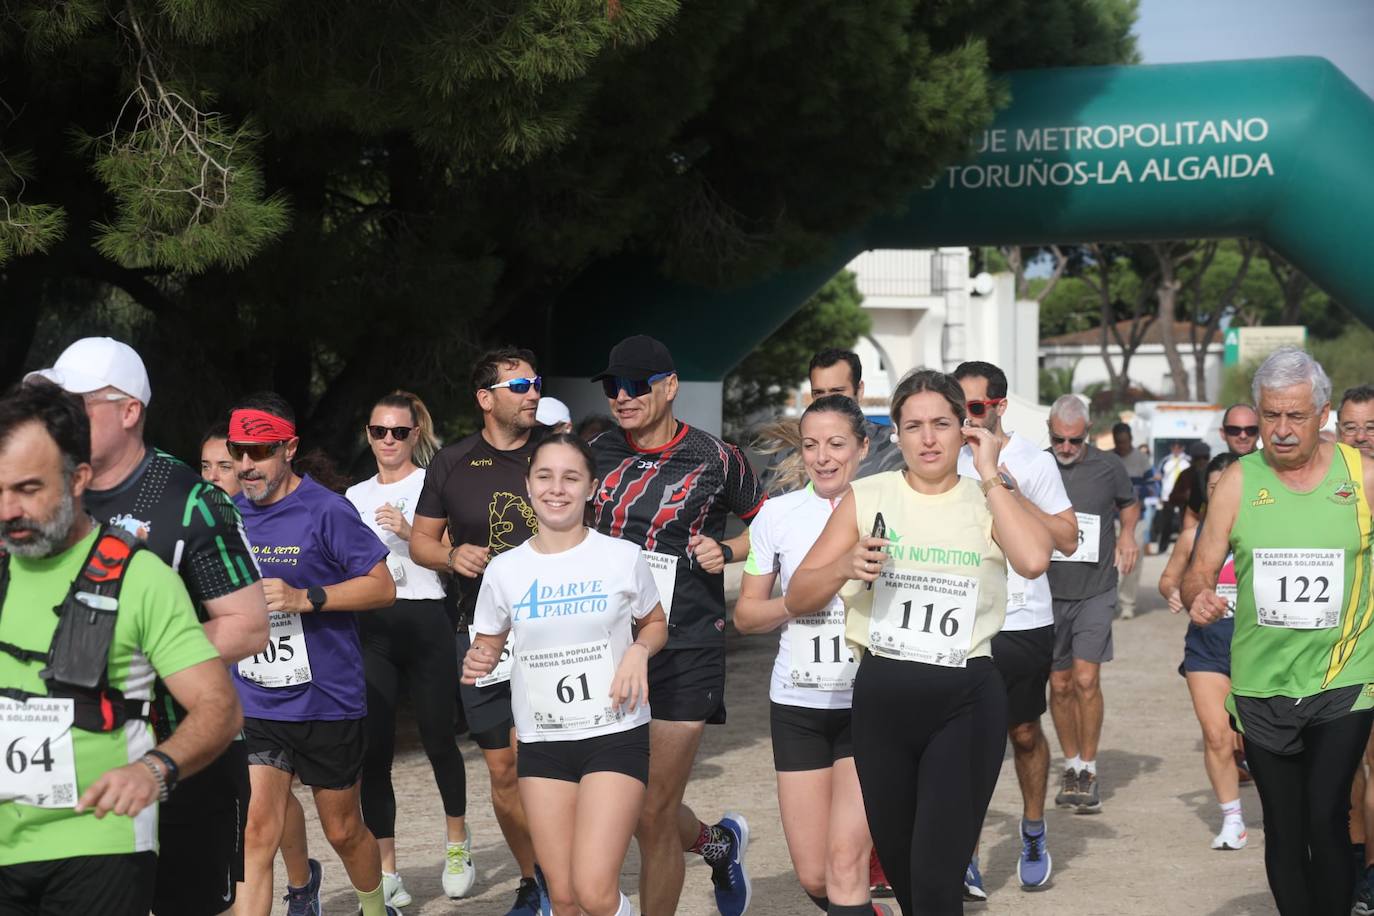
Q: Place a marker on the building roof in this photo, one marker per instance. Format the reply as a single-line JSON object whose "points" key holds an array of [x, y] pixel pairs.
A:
{"points": [[1183, 331]]}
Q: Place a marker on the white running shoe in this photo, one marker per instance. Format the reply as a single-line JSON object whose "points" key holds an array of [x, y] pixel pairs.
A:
{"points": [[459, 873], [393, 891], [1232, 836]]}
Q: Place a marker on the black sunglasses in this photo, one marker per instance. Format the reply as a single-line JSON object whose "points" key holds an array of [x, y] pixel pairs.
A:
{"points": [[399, 433], [1072, 440], [634, 387], [256, 451], [520, 385], [1251, 431], [981, 407]]}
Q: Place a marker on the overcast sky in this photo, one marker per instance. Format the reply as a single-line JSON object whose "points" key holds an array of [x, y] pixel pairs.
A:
{"points": [[1342, 31]]}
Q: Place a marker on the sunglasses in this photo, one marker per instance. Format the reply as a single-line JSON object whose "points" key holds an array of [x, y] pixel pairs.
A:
{"points": [[634, 387], [256, 451], [399, 433], [517, 386], [981, 407], [1072, 440], [1251, 431]]}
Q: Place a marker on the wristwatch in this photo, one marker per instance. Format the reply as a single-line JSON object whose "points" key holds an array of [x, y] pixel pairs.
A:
{"points": [[316, 596], [727, 552], [1003, 479]]}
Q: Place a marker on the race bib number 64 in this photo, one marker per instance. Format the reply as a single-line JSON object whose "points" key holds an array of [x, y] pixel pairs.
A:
{"points": [[37, 766]]}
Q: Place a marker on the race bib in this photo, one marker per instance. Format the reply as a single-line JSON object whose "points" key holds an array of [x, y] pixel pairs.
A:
{"points": [[1227, 592], [569, 687], [923, 617], [664, 570], [398, 570], [1299, 589], [285, 660], [1089, 537], [820, 657], [38, 766], [501, 673]]}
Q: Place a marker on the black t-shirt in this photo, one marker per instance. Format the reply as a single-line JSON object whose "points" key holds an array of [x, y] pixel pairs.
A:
{"points": [[659, 498], [480, 492]]}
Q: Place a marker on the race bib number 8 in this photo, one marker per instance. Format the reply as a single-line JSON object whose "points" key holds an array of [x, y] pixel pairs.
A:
{"points": [[664, 570], [820, 658], [569, 687], [37, 766], [1299, 589], [285, 660], [923, 617], [1089, 537], [501, 673]]}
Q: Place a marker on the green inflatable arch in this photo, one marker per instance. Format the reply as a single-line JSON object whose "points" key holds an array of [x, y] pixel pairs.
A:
{"points": [[1281, 150]]}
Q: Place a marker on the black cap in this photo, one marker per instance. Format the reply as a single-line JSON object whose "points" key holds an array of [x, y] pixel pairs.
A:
{"points": [[638, 357]]}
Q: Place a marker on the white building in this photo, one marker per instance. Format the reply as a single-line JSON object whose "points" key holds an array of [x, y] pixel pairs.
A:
{"points": [[1081, 351]]}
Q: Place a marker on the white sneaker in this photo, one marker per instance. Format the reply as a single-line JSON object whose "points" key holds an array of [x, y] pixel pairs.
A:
{"points": [[459, 873], [1232, 836], [393, 891]]}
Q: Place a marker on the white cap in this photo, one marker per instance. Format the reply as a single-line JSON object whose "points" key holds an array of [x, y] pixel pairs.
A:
{"points": [[93, 363], [552, 411]]}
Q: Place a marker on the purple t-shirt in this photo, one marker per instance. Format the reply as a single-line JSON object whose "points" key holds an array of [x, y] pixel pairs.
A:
{"points": [[313, 537]]}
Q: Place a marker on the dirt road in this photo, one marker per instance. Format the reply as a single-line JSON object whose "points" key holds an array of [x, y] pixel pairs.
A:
{"points": [[1147, 852]]}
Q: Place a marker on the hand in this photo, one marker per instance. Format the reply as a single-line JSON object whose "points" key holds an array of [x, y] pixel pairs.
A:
{"points": [[630, 688], [127, 791], [1175, 600], [866, 559], [985, 448], [470, 560], [478, 662], [392, 519], [282, 597], [1208, 607], [707, 551], [1127, 552]]}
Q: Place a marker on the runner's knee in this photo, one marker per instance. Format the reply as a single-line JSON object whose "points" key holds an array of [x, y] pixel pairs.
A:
{"points": [[1086, 681], [1025, 737], [597, 895]]}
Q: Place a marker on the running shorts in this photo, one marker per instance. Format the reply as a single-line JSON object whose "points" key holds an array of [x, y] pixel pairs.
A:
{"points": [[200, 838], [486, 709], [113, 885], [688, 685], [809, 739], [1278, 724], [1023, 658], [325, 755], [1083, 630], [621, 752], [1208, 648]]}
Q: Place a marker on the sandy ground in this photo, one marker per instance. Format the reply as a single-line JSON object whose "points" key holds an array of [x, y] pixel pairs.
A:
{"points": [[1147, 852]]}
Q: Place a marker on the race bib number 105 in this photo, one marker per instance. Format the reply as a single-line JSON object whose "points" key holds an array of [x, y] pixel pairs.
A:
{"points": [[285, 660]]}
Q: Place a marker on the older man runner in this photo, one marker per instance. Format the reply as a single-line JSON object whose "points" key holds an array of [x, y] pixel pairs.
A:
{"points": [[1084, 588], [194, 528], [1297, 517], [84, 774]]}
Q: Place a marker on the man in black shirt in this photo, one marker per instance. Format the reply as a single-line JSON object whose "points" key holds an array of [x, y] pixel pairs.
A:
{"points": [[476, 490], [668, 487], [194, 528]]}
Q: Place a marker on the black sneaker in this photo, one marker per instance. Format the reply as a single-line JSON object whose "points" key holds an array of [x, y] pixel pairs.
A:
{"points": [[1067, 796], [527, 899]]}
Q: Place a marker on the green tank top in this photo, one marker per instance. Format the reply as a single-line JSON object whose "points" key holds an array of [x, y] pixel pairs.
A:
{"points": [[1303, 582]]}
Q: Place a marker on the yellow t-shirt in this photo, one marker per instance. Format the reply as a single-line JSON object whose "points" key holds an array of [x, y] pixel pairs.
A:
{"points": [[943, 555]]}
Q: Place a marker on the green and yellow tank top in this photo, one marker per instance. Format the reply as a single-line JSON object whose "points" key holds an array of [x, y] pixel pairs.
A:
{"points": [[942, 596], [1303, 606]]}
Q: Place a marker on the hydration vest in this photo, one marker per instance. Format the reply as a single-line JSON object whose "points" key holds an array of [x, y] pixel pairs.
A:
{"points": [[77, 660]]}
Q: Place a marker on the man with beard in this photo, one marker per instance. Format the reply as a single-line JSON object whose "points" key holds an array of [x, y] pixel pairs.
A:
{"points": [[1084, 588], [194, 528], [76, 687]]}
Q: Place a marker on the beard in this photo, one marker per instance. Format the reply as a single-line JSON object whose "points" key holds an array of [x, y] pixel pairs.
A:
{"points": [[46, 537], [260, 487]]}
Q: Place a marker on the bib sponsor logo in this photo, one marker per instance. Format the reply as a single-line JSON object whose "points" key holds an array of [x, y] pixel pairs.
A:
{"points": [[1262, 498], [1344, 494]]}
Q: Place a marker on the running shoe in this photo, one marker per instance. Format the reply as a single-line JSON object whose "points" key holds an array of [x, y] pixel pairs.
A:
{"points": [[1089, 797], [393, 891], [459, 872], [882, 909], [390, 911], [733, 890], [973, 883], [1233, 835], [1034, 866], [1243, 767], [878, 885], [1067, 796], [527, 899], [305, 901], [1364, 894], [545, 901]]}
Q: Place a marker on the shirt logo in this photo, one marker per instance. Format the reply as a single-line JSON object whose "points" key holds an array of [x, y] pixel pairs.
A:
{"points": [[1345, 493], [505, 514], [1262, 498], [480, 463], [586, 597], [137, 527]]}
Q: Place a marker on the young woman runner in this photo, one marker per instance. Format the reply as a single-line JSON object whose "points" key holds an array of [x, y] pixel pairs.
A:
{"points": [[583, 617], [929, 715]]}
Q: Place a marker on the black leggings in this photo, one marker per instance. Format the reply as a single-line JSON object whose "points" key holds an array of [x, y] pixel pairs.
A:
{"points": [[928, 745], [412, 641], [1306, 799]]}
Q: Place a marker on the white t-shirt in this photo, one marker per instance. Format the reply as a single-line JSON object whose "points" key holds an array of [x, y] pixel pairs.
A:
{"points": [[569, 615], [413, 582], [1037, 475], [779, 538]]}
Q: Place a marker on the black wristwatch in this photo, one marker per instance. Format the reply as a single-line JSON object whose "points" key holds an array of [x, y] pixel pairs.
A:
{"points": [[316, 596], [727, 552]]}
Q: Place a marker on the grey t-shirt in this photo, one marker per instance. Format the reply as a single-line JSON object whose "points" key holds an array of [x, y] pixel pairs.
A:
{"points": [[1097, 487]]}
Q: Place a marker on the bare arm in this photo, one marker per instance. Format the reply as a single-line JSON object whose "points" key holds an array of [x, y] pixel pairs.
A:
{"points": [[237, 627], [485, 652], [837, 556], [1024, 539], [1200, 578], [368, 592], [756, 610], [1172, 577], [1062, 526], [426, 548], [708, 555], [1127, 550]]}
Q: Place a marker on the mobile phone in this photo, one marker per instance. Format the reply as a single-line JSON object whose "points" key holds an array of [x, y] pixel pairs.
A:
{"points": [[879, 531]]}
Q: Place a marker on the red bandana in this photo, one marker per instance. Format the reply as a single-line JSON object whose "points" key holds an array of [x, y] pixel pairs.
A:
{"points": [[248, 425]]}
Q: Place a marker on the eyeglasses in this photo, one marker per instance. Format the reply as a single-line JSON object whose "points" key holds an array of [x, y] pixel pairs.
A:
{"points": [[1072, 440], [256, 451], [517, 386], [980, 407], [1251, 431], [634, 387], [399, 433], [1354, 429]]}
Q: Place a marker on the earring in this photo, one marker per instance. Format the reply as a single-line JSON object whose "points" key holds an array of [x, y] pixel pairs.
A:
{"points": [[892, 437]]}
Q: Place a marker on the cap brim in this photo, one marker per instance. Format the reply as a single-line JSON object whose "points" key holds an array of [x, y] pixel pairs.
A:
{"points": [[69, 381], [634, 372]]}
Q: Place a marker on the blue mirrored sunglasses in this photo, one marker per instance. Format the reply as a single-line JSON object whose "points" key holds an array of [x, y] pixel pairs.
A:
{"points": [[634, 387]]}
